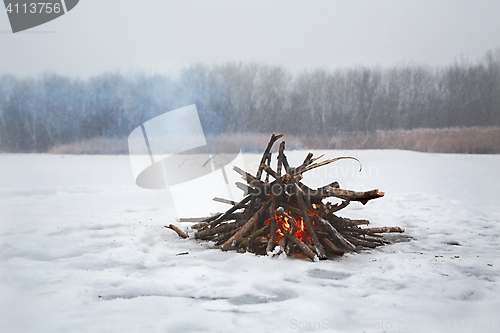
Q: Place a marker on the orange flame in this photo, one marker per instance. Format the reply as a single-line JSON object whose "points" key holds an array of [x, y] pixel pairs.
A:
{"points": [[284, 225]]}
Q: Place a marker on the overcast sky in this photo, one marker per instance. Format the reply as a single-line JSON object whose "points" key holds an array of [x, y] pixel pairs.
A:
{"points": [[163, 36]]}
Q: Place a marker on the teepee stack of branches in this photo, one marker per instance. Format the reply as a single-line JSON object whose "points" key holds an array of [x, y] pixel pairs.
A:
{"points": [[279, 214]]}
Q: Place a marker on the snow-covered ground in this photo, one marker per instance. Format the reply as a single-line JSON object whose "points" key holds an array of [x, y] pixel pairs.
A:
{"points": [[82, 249]]}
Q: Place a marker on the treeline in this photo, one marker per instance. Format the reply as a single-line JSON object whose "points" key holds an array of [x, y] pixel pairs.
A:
{"points": [[38, 113]]}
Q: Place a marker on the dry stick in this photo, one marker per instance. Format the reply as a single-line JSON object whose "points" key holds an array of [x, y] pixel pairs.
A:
{"points": [[250, 208], [224, 237], [245, 175], [245, 188], [343, 223], [355, 222], [193, 219], [380, 230], [284, 161], [317, 158], [272, 227], [251, 180], [245, 228], [336, 208], [260, 222], [273, 139], [306, 200], [333, 247], [280, 158], [307, 251], [307, 161], [212, 218], [246, 241], [363, 237], [272, 211], [319, 248], [376, 239], [361, 242], [222, 200], [373, 236], [231, 210], [256, 192], [271, 172], [177, 230], [334, 233], [223, 228], [268, 165], [199, 225], [362, 197], [316, 165]]}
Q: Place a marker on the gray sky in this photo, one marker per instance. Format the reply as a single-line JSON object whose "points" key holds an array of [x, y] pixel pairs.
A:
{"points": [[163, 36]]}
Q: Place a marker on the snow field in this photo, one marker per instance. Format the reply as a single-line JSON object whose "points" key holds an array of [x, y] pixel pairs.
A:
{"points": [[82, 249]]}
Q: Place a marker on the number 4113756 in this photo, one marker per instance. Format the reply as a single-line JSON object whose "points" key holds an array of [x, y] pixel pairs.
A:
{"points": [[34, 8]]}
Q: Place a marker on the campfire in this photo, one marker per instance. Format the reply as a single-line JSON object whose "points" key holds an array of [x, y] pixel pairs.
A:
{"points": [[280, 214]]}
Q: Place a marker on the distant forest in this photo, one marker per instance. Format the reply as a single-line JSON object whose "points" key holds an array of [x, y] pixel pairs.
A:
{"points": [[39, 113]]}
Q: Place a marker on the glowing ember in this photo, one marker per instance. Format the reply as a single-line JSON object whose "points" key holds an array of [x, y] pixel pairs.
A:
{"points": [[286, 223]]}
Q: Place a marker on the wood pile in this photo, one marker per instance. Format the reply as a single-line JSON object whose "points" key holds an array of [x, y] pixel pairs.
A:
{"points": [[280, 214]]}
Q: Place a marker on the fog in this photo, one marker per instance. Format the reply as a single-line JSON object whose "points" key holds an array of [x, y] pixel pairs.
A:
{"points": [[164, 37]]}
